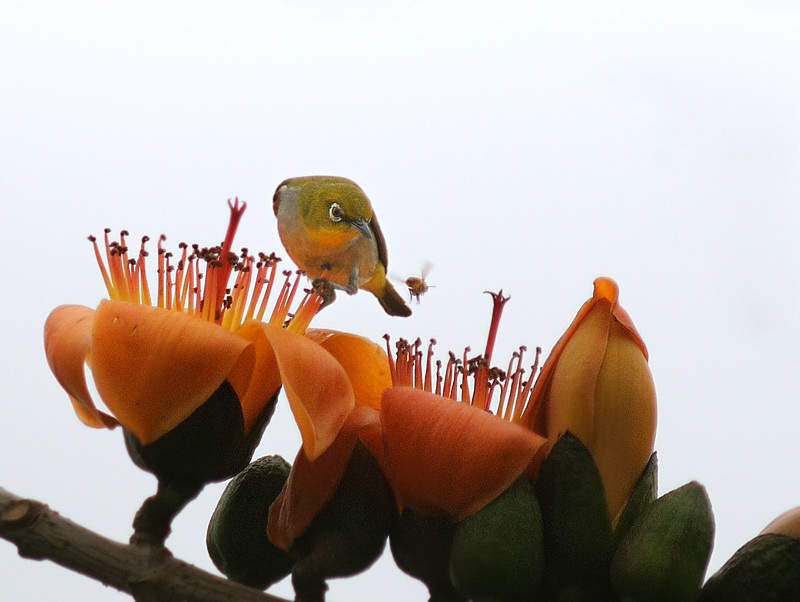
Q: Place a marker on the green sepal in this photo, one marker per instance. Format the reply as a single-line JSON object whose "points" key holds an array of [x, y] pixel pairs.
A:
{"points": [[237, 539], [666, 551], [349, 533], [498, 552], [577, 530], [420, 545], [644, 493], [210, 445], [766, 568]]}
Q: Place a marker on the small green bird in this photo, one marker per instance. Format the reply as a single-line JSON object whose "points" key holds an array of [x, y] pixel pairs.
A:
{"points": [[327, 226]]}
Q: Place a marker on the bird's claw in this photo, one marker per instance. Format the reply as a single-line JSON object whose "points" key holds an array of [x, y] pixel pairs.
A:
{"points": [[324, 288]]}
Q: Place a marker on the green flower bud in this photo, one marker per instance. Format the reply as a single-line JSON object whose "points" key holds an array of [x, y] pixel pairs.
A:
{"points": [[420, 546], [210, 445], [665, 553], [219, 424], [349, 533], [766, 568], [498, 552], [237, 539]]}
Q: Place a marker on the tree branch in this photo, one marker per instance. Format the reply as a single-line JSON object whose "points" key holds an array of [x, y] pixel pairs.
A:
{"points": [[148, 574]]}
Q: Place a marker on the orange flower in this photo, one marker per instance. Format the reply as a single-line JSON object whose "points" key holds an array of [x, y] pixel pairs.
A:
{"points": [[334, 512], [597, 385], [440, 448], [443, 451], [155, 361], [443, 456], [313, 481]]}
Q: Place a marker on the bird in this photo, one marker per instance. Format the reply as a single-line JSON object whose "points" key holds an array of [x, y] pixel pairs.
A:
{"points": [[328, 228]]}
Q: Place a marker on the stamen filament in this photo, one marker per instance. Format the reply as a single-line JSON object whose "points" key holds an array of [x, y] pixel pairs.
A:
{"points": [[427, 385], [116, 271], [465, 398], [448, 375], [170, 299], [418, 379], [392, 365], [524, 398], [142, 273], [180, 279], [126, 272], [479, 395], [106, 280], [161, 272], [308, 308], [273, 270], [516, 377], [280, 311]]}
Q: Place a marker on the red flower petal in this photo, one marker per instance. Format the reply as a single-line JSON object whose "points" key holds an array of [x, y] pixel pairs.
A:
{"points": [[312, 483], [317, 387], [67, 343], [365, 363], [448, 457], [153, 367]]}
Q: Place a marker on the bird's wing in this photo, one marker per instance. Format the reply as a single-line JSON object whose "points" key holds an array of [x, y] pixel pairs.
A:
{"points": [[379, 240]]}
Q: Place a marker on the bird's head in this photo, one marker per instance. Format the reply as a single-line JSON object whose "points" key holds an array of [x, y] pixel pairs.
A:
{"points": [[331, 210]]}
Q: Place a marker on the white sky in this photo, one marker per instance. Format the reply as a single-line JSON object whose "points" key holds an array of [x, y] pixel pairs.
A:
{"points": [[523, 146]]}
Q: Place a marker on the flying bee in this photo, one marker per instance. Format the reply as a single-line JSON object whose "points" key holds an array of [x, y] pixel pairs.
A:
{"points": [[417, 285]]}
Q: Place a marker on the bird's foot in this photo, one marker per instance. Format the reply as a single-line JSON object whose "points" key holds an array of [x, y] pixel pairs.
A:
{"points": [[324, 288]]}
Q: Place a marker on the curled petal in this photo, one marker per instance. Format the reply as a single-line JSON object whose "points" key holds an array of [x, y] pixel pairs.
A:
{"points": [[317, 387], [153, 367], [365, 363], [447, 457], [312, 483], [608, 289], [255, 384], [67, 342]]}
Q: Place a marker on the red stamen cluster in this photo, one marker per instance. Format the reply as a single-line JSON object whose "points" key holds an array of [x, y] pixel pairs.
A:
{"points": [[198, 283], [409, 369]]}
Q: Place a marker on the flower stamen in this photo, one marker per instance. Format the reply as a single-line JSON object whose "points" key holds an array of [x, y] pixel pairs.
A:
{"points": [[198, 284], [141, 273], [469, 380], [101, 264], [266, 262], [309, 306]]}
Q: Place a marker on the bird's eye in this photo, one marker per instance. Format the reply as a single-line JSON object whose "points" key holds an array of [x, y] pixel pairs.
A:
{"points": [[335, 212]]}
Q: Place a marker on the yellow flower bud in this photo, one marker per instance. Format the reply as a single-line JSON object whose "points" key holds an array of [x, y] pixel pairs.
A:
{"points": [[597, 385], [787, 523]]}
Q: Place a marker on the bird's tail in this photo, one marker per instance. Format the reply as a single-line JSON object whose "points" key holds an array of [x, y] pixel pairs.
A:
{"points": [[390, 300]]}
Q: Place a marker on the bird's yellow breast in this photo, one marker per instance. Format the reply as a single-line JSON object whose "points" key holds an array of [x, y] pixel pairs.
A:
{"points": [[329, 237]]}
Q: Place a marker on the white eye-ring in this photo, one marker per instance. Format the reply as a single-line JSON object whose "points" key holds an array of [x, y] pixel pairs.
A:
{"points": [[335, 212]]}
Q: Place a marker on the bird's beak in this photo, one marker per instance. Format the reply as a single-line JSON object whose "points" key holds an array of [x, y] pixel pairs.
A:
{"points": [[362, 226]]}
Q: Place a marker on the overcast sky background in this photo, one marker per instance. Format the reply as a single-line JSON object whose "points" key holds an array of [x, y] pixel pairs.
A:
{"points": [[531, 146]]}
